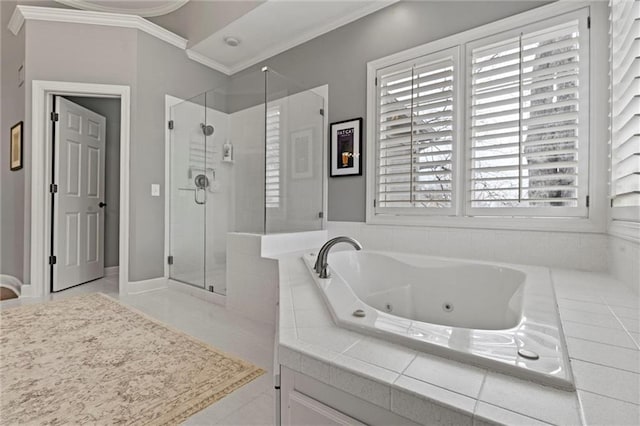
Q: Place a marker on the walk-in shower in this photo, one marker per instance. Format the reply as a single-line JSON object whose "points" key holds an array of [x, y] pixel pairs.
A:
{"points": [[246, 157]]}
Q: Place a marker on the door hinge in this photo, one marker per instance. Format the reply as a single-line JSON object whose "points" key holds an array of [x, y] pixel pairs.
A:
{"points": [[376, 82], [53, 260], [588, 21], [587, 201], [55, 116], [53, 188], [170, 124], [170, 260], [320, 215], [611, 202], [374, 203], [322, 112]]}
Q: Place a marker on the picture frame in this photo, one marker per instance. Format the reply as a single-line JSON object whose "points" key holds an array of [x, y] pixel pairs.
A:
{"points": [[15, 148], [346, 148], [302, 154]]}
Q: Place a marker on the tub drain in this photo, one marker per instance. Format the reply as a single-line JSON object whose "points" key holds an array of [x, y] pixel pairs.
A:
{"points": [[447, 307]]}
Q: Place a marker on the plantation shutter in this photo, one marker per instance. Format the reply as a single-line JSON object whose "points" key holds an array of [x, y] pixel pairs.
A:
{"points": [[528, 120], [415, 135], [625, 109], [272, 174]]}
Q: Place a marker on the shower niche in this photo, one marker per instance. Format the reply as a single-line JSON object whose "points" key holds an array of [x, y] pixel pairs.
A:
{"points": [[246, 157]]}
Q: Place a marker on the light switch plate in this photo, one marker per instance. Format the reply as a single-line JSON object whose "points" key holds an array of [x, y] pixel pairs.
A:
{"points": [[155, 189]]}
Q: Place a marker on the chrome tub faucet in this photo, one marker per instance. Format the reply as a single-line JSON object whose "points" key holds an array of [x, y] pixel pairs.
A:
{"points": [[321, 266]]}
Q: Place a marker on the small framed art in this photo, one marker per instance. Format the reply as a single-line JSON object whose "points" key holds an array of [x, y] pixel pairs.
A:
{"points": [[15, 150], [346, 147]]}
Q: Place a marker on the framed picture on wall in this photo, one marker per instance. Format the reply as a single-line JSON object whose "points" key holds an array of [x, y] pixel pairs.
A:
{"points": [[346, 147], [15, 150], [302, 154]]}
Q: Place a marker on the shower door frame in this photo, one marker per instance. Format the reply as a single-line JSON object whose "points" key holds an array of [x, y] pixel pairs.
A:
{"points": [[170, 102]]}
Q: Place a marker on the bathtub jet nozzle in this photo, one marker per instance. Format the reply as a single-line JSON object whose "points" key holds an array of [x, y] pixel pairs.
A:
{"points": [[524, 353]]}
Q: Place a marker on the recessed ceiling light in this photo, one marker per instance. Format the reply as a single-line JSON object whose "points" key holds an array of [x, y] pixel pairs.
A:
{"points": [[231, 41]]}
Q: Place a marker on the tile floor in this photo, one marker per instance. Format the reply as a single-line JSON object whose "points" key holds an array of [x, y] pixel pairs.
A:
{"points": [[252, 404]]}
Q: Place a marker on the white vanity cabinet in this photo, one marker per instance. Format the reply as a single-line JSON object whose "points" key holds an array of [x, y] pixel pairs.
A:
{"points": [[306, 401], [303, 410]]}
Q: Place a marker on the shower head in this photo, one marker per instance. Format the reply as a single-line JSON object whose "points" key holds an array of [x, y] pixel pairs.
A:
{"points": [[207, 129]]}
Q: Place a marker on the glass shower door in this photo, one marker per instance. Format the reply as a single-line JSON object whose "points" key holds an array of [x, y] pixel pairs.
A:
{"points": [[188, 192], [294, 150]]}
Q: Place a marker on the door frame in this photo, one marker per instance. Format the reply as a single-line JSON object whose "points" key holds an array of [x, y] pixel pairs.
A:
{"points": [[41, 161]]}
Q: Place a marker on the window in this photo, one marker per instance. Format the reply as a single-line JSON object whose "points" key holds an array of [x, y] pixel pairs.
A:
{"points": [[490, 122], [528, 143], [625, 110], [415, 134], [272, 176]]}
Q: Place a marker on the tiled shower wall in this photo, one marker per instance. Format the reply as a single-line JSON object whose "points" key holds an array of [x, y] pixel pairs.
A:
{"points": [[586, 252]]}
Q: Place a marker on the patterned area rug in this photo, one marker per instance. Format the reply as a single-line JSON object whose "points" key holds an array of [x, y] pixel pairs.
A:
{"points": [[90, 359]]}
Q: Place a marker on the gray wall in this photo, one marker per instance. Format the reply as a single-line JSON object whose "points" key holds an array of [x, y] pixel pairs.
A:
{"points": [[339, 59], [110, 109], [152, 68], [12, 184], [80, 53], [162, 69]]}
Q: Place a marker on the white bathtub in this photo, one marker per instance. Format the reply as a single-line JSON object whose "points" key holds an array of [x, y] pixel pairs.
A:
{"points": [[474, 312]]}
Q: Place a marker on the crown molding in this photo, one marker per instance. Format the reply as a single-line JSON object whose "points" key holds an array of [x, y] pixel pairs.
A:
{"points": [[208, 62], [145, 12], [53, 14]]}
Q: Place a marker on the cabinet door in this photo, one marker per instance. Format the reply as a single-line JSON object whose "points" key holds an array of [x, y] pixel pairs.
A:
{"points": [[305, 411]]}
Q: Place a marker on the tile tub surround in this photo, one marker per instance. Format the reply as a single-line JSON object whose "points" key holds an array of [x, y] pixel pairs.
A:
{"points": [[624, 261], [600, 319], [582, 251], [252, 272]]}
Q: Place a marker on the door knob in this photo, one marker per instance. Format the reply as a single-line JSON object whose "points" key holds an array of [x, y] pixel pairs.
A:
{"points": [[101, 204]]}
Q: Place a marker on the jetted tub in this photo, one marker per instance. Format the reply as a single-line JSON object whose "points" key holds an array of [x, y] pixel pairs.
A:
{"points": [[499, 317]]}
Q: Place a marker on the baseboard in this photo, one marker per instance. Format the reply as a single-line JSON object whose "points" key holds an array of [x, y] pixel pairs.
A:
{"points": [[111, 270], [26, 290], [11, 282], [137, 287]]}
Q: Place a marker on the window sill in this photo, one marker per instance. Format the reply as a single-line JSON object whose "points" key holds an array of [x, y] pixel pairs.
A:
{"points": [[585, 225]]}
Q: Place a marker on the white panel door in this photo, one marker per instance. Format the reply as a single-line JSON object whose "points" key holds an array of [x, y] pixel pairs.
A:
{"points": [[78, 218]]}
